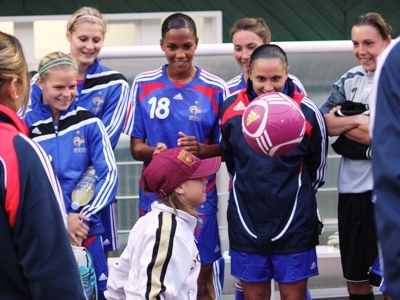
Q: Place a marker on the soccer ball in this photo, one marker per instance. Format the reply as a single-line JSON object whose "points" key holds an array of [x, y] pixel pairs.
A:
{"points": [[273, 124]]}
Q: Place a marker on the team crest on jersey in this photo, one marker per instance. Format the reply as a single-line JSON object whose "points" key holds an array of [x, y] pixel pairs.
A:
{"points": [[98, 102], [195, 110], [79, 143]]}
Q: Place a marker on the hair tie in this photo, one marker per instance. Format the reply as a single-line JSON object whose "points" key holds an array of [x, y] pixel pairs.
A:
{"points": [[89, 16], [57, 62]]}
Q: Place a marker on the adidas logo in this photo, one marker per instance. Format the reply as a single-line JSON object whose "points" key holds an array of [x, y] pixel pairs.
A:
{"points": [[102, 277], [217, 249], [106, 242], [239, 106], [36, 131], [251, 117], [313, 265], [178, 97]]}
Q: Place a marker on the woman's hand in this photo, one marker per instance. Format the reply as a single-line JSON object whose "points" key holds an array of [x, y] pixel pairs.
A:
{"points": [[190, 144], [77, 230], [160, 147]]}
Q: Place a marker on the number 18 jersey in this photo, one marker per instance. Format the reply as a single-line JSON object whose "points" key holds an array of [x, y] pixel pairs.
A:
{"points": [[163, 108]]}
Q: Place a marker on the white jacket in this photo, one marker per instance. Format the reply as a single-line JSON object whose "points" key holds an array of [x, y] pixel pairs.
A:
{"points": [[160, 261]]}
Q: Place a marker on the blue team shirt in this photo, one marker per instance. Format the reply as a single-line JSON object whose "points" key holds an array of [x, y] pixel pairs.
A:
{"points": [[162, 109]]}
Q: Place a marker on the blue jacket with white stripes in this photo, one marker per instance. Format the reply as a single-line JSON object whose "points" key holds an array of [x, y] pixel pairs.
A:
{"points": [[103, 92], [76, 141], [272, 204]]}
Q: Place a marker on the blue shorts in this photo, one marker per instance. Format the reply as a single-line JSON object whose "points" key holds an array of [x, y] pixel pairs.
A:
{"points": [[208, 241], [110, 234], [283, 268], [95, 247]]}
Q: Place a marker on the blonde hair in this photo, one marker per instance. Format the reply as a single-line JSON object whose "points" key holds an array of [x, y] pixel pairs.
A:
{"points": [[13, 66], [174, 201], [55, 60], [86, 15]]}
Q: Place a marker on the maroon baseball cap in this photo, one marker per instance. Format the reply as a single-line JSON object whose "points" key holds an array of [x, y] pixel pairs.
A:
{"points": [[169, 169]]}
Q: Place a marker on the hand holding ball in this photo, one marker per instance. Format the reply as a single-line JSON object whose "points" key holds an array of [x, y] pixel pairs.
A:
{"points": [[273, 124]]}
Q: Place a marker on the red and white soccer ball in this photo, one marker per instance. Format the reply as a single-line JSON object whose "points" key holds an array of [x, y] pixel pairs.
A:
{"points": [[273, 124]]}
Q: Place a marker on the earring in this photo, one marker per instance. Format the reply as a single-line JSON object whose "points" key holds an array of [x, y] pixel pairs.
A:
{"points": [[16, 96]]}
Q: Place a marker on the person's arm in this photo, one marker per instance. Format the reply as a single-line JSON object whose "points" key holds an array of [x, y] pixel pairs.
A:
{"points": [[165, 250], [115, 113], [225, 145], [103, 160], [317, 153], [118, 277], [40, 234], [140, 150], [359, 134], [340, 125]]}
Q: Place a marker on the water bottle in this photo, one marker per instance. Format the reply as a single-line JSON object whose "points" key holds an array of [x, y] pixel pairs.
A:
{"points": [[84, 189]]}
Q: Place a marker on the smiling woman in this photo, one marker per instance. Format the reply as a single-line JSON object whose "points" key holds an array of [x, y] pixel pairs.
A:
{"points": [[57, 121], [178, 105], [370, 35], [100, 90]]}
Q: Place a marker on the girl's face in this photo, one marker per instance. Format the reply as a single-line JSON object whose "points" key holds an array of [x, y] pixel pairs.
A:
{"points": [[194, 191], [367, 45], [59, 89], [268, 75], [179, 46], [244, 43], [86, 42]]}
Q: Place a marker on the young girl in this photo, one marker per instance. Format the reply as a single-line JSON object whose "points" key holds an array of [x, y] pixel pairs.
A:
{"points": [[178, 105], [161, 260], [272, 220], [75, 138], [370, 35]]}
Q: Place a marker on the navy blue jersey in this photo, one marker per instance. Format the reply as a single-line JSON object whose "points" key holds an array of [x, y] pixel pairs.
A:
{"points": [[162, 109], [272, 205], [385, 162], [36, 260]]}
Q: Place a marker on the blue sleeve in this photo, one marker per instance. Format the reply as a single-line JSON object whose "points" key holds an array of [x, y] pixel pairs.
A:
{"points": [[139, 129], [116, 111], [336, 96], [225, 145], [385, 168], [43, 246], [318, 149], [102, 158], [217, 128], [36, 92]]}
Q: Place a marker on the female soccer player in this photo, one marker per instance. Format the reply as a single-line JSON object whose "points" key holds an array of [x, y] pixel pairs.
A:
{"points": [[75, 138], [100, 90], [370, 35], [272, 220], [246, 35], [178, 104]]}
